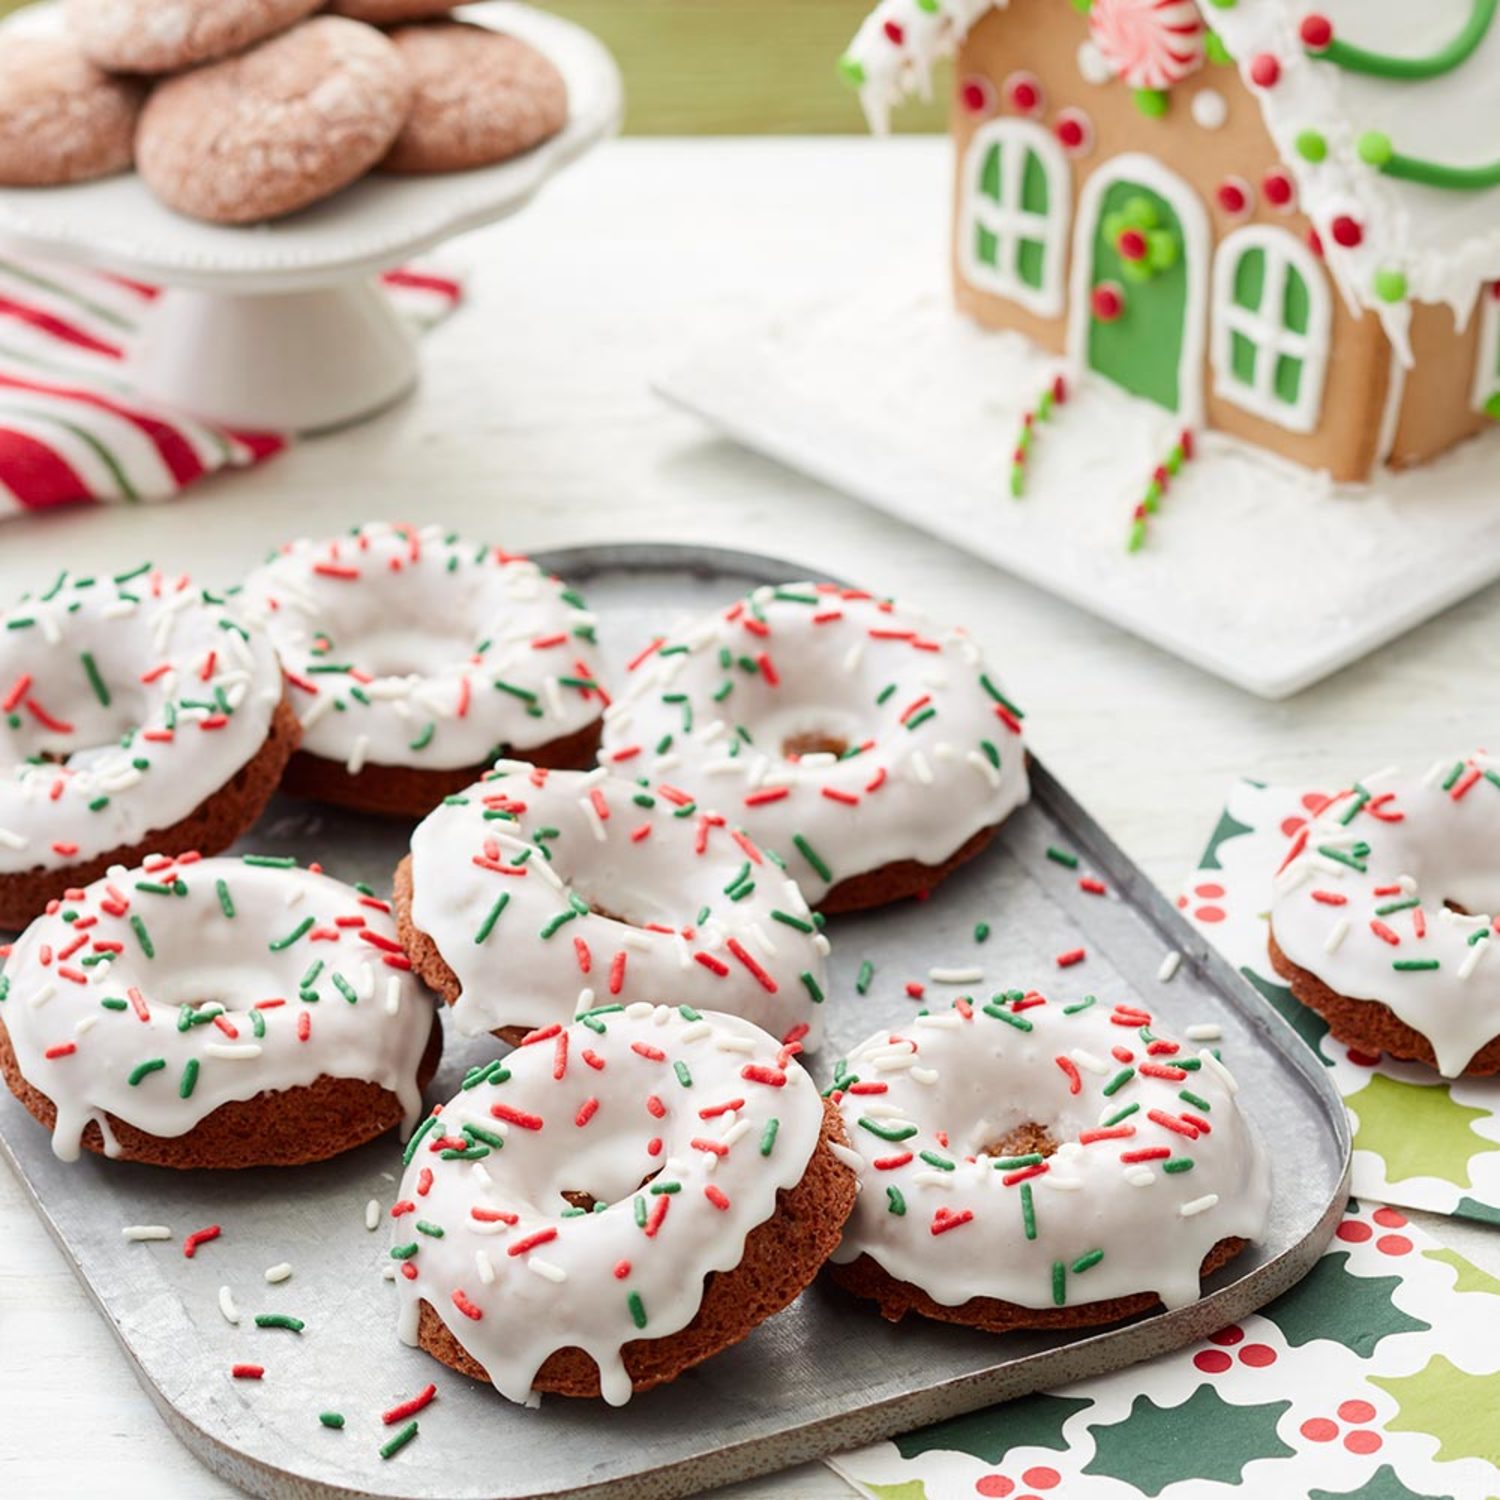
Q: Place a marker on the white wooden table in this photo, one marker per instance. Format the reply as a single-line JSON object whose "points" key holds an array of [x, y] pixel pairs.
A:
{"points": [[535, 427]]}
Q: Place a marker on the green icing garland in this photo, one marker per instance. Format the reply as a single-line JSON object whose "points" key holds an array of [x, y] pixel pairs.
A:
{"points": [[1376, 149], [1411, 69]]}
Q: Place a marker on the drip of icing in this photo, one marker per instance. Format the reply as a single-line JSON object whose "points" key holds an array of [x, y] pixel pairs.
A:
{"points": [[125, 703], [929, 753], [1379, 866], [165, 991], [936, 1211], [411, 647], [704, 1101], [540, 866]]}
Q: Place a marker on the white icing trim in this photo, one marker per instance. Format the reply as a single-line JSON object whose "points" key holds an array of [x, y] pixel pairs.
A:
{"points": [[1008, 221], [1395, 399], [1264, 328], [1487, 359], [1134, 166]]}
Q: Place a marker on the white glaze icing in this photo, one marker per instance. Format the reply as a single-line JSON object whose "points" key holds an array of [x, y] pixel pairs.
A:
{"points": [[922, 1105], [411, 647], [703, 1100], [1446, 244], [554, 850], [125, 703], [1365, 893], [133, 973], [940, 753]]}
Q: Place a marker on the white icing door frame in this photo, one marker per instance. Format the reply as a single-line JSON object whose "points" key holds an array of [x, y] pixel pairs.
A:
{"points": [[1487, 359], [1134, 166], [1008, 221]]}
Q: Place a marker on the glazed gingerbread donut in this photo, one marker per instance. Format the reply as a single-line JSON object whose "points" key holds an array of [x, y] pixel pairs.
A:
{"points": [[136, 713], [1383, 913], [533, 895], [669, 1179], [1032, 1164], [868, 748], [416, 659], [215, 1013]]}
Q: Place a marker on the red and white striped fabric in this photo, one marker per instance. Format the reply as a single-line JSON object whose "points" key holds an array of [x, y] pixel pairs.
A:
{"points": [[72, 430]]}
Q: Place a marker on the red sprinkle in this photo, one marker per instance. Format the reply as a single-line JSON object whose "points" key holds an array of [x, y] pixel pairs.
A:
{"points": [[1073, 956], [531, 1241], [1075, 1083], [409, 1408], [716, 1196], [247, 1372], [466, 1307], [200, 1237]]}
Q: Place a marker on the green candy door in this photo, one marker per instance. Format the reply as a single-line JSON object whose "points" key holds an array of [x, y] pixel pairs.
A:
{"points": [[1141, 331]]}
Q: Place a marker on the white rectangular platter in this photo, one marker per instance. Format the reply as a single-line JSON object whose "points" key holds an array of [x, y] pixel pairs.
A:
{"points": [[826, 1374], [1256, 571]]}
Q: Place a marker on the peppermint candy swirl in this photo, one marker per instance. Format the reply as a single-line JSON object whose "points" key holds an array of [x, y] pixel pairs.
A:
{"points": [[1150, 44]]}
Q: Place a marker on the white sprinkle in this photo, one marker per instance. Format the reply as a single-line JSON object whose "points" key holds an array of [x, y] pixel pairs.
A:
{"points": [[356, 762], [1139, 1176], [933, 1179], [484, 1267], [1170, 964], [11, 840], [1220, 1072], [372, 1214], [1060, 1184], [86, 1024], [227, 1304], [946, 1021], [894, 1062], [924, 1075], [244, 1052], [392, 995], [43, 995], [1336, 935], [279, 1273], [638, 1010], [1089, 1061], [591, 816], [388, 1270], [146, 1232], [696, 1031], [1472, 957], [736, 1132], [735, 1044], [849, 1158], [1198, 1205], [955, 976], [546, 1270], [1206, 1031]]}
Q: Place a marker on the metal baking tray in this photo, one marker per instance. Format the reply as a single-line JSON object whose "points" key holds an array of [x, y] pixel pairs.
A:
{"points": [[826, 1374]]}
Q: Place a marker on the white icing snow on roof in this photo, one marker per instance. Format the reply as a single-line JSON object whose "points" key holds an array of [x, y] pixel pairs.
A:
{"points": [[1444, 242]]}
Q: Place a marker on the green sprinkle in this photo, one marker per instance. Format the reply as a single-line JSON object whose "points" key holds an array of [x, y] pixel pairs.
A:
{"points": [[489, 1137], [637, 1309], [1010, 1163], [811, 855], [889, 1132], [396, 1444], [1395, 906], [1120, 1114], [1078, 1005], [270, 861], [331, 1419], [981, 932], [814, 989], [296, 935], [934, 1160], [100, 687], [1062, 857], [487, 926], [145, 1069], [404, 1252], [1087, 1261], [562, 917], [894, 1201], [424, 1226], [1028, 1211], [768, 1136], [143, 937], [1412, 965], [866, 974], [685, 1078], [279, 1320], [1059, 1282], [110, 1002], [918, 719], [1188, 1097], [1178, 1164], [416, 1140], [346, 989], [424, 738], [226, 901], [1118, 1082], [1000, 1013], [189, 1078]]}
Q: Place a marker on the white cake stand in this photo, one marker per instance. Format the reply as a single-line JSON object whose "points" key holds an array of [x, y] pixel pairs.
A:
{"points": [[282, 326]]}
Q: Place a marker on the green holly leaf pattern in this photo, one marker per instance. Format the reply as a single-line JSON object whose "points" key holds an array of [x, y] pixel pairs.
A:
{"points": [[1381, 1485], [1447, 1403], [1228, 828], [1331, 1303], [1472, 1208], [1469, 1278], [1028, 1422], [1417, 1130], [1308, 1024], [1205, 1437]]}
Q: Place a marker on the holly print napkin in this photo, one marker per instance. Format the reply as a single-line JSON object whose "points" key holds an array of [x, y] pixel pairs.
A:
{"points": [[1418, 1140], [1377, 1377]]}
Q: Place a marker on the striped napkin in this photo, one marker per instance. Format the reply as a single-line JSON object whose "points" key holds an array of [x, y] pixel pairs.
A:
{"points": [[71, 428]]}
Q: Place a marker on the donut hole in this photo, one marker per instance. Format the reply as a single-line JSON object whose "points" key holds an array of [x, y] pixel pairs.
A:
{"points": [[588, 1202], [1026, 1139], [807, 742], [400, 649]]}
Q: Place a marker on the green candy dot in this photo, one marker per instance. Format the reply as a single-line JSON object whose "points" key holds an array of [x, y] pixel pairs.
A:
{"points": [[852, 71], [1151, 102], [1311, 146], [1492, 407], [1390, 286], [1215, 50], [1374, 147], [1223, 4]]}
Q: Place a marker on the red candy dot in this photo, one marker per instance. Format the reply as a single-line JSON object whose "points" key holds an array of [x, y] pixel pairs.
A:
{"points": [[1356, 1411], [1258, 1356], [1042, 1478], [994, 1485], [1074, 131], [1108, 302], [1024, 93], [1389, 1218], [1277, 188], [1210, 890], [1317, 31], [1265, 71], [977, 95], [1212, 1361], [1352, 1232], [1235, 196], [1393, 1244], [1210, 914], [1363, 1059], [1347, 232], [1319, 1430], [1131, 245], [894, 34], [1231, 1335], [1363, 1441]]}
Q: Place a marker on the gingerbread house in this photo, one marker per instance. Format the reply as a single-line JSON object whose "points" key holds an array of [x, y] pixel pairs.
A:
{"points": [[1279, 219]]}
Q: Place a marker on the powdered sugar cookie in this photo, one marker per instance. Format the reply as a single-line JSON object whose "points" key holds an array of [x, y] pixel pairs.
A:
{"points": [[390, 12], [61, 119], [274, 129], [480, 98], [164, 36]]}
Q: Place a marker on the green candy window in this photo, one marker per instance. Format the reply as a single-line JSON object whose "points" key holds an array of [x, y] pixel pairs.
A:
{"points": [[1015, 202], [1272, 320]]}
